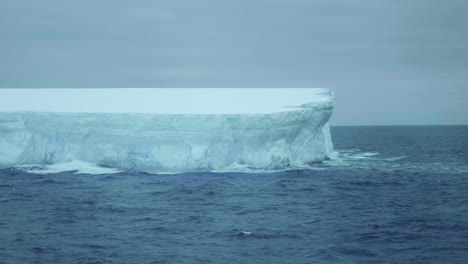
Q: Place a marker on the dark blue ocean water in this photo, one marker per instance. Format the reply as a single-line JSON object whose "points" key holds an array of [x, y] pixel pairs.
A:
{"points": [[396, 195]]}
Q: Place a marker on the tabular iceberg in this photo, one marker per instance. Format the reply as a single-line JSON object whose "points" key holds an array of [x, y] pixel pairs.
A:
{"points": [[166, 130]]}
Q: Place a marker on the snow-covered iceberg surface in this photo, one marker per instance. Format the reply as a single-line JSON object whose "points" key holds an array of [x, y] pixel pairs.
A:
{"points": [[166, 130]]}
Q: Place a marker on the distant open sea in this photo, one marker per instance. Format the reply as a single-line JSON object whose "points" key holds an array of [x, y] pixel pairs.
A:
{"points": [[395, 195]]}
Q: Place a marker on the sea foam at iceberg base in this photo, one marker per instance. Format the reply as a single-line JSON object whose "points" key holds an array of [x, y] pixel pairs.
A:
{"points": [[166, 130]]}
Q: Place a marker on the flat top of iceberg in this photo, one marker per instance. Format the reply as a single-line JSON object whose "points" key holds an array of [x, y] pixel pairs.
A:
{"points": [[162, 101]]}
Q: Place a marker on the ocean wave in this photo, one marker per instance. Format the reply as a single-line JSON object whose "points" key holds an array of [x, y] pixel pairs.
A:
{"points": [[358, 159], [79, 167], [341, 159]]}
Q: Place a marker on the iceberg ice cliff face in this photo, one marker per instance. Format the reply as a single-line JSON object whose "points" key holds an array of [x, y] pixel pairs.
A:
{"points": [[293, 133]]}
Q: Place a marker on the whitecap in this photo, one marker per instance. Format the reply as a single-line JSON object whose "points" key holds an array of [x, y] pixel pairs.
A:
{"points": [[80, 167], [364, 155], [395, 158]]}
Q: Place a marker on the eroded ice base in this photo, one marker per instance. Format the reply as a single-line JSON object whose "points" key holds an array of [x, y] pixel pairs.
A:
{"points": [[250, 128]]}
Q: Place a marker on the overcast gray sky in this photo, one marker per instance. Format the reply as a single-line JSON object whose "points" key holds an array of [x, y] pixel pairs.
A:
{"points": [[389, 61]]}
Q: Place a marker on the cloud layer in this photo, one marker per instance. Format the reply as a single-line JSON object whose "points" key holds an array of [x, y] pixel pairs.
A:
{"points": [[389, 61]]}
